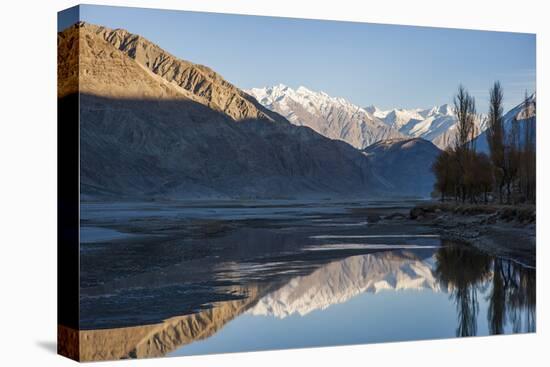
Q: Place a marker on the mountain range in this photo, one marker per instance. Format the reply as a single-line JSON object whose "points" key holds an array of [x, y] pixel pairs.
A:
{"points": [[153, 125], [436, 124], [332, 117], [338, 118], [332, 283]]}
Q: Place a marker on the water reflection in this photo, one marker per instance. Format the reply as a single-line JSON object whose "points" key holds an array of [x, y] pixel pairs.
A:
{"points": [[473, 294], [465, 272], [513, 297], [339, 281], [157, 340]]}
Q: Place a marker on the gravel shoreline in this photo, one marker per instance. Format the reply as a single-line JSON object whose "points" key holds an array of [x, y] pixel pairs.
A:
{"points": [[502, 230], [507, 231]]}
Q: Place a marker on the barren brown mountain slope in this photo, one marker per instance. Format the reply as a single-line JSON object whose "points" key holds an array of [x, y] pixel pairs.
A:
{"points": [[105, 71], [154, 125], [108, 73]]}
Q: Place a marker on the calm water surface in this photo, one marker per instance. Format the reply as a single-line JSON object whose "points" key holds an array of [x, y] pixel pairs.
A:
{"points": [[198, 279], [389, 296]]}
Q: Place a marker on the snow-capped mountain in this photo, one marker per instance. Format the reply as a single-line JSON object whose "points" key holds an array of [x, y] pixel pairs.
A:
{"points": [[190, 104], [436, 124], [396, 117], [521, 113], [337, 118], [341, 280], [333, 117]]}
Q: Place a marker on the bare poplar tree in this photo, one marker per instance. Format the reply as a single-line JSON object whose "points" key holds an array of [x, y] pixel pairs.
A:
{"points": [[495, 136], [465, 109]]}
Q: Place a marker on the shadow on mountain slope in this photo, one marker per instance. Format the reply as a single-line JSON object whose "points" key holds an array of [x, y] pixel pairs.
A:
{"points": [[180, 148]]}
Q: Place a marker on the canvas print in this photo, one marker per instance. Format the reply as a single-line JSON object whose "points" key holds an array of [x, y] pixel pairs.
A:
{"points": [[232, 183]]}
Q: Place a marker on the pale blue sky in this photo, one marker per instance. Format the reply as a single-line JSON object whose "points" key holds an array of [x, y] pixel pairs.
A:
{"points": [[386, 65]]}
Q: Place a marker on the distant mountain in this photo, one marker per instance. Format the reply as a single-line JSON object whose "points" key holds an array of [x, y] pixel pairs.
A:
{"points": [[404, 165], [396, 117], [437, 124], [154, 125], [520, 113], [341, 280], [335, 118]]}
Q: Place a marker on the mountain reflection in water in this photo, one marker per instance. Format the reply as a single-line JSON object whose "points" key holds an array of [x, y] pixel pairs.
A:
{"points": [[452, 290]]}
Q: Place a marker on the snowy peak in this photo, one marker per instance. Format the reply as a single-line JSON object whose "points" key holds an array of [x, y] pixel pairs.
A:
{"points": [[400, 117], [376, 112], [446, 109], [302, 95], [521, 111], [443, 110], [436, 124], [267, 96], [337, 118], [333, 117]]}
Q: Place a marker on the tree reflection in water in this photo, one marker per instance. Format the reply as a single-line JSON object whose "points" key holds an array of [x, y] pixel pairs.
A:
{"points": [[520, 296], [465, 272]]}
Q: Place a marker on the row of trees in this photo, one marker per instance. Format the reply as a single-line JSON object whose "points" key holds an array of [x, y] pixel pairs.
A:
{"points": [[508, 172]]}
